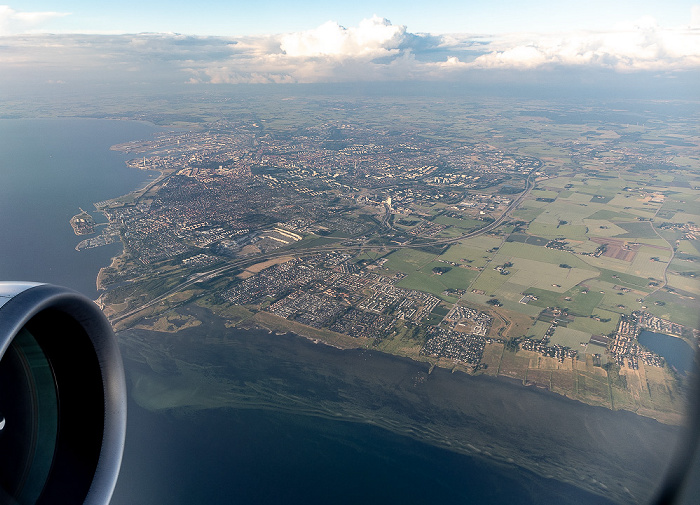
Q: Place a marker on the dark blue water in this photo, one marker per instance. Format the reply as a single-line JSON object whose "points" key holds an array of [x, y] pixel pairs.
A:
{"points": [[676, 351], [262, 457], [49, 168]]}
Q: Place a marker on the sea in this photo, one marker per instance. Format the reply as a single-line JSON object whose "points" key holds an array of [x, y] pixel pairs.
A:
{"points": [[228, 455], [49, 169]]}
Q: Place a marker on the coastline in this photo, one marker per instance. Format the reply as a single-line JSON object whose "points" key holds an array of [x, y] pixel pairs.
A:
{"points": [[492, 417]]}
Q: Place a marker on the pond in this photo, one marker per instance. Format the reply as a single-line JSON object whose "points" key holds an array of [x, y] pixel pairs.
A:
{"points": [[677, 352]]}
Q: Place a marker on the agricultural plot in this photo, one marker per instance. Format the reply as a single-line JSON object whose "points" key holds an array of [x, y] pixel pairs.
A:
{"points": [[528, 212], [568, 210], [593, 388], [649, 262], [612, 215], [561, 182], [618, 301], [617, 266], [537, 330], [541, 275], [682, 217], [554, 230], [605, 323], [492, 357], [489, 281], [532, 252], [637, 229], [542, 193], [684, 283], [563, 382], [515, 306], [541, 378], [690, 247], [679, 266], [569, 337], [603, 228], [475, 257], [514, 365], [580, 300], [633, 204], [622, 279]]}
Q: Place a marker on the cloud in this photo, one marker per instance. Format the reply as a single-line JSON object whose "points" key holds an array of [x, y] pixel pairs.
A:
{"points": [[637, 46], [372, 38], [695, 16], [374, 50], [14, 22]]}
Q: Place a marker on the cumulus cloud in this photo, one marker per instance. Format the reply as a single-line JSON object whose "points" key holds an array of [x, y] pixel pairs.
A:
{"points": [[638, 45], [377, 49], [371, 38], [13, 22], [374, 50]]}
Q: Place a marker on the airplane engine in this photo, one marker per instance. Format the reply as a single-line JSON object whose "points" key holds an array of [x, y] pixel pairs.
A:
{"points": [[62, 398]]}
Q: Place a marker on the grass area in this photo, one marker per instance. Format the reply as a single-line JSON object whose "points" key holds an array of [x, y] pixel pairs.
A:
{"points": [[542, 254], [684, 283], [474, 257], [276, 323], [400, 345], [538, 330], [426, 280], [527, 212], [171, 322], [623, 279], [602, 228], [592, 387], [606, 324], [637, 229], [649, 262], [233, 314], [489, 281], [492, 358], [582, 302], [553, 230], [547, 276], [406, 260], [569, 337], [514, 365], [612, 215], [682, 310]]}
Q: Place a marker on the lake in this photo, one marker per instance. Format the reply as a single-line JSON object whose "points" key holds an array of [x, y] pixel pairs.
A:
{"points": [[676, 351]]}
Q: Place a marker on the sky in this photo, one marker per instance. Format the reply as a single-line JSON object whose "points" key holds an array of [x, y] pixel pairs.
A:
{"points": [[230, 18], [268, 41]]}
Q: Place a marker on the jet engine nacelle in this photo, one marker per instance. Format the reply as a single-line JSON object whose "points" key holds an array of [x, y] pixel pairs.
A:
{"points": [[62, 398]]}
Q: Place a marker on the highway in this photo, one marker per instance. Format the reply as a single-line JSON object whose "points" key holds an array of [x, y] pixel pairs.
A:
{"points": [[248, 261]]}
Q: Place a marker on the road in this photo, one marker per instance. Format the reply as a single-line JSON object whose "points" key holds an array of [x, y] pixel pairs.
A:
{"points": [[243, 262]]}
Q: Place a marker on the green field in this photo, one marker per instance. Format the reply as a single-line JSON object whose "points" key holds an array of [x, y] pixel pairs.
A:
{"points": [[569, 337]]}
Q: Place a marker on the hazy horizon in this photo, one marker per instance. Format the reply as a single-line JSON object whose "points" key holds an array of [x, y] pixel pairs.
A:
{"points": [[72, 44]]}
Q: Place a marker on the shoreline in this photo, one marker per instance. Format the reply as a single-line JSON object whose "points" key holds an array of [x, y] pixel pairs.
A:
{"points": [[256, 368]]}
